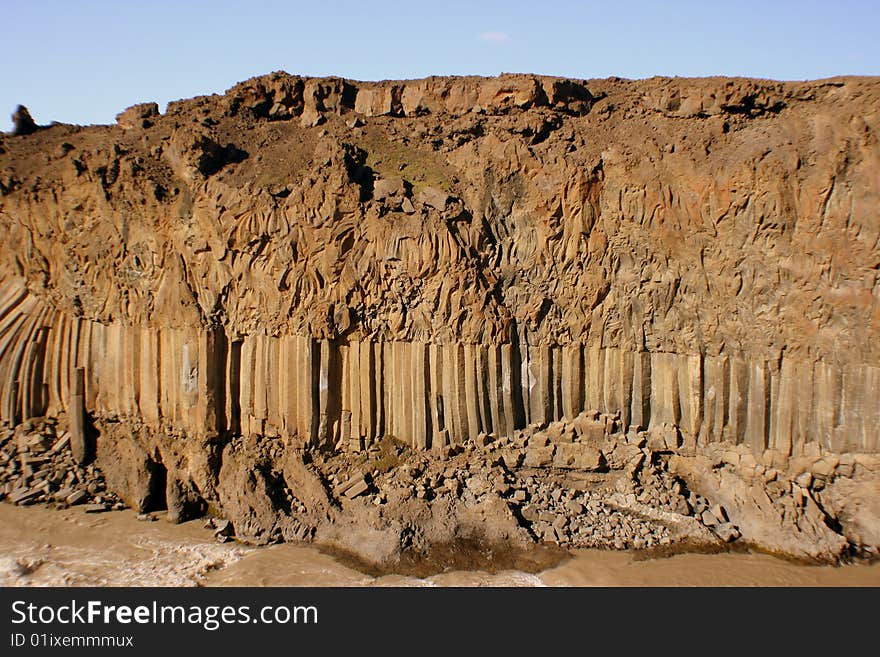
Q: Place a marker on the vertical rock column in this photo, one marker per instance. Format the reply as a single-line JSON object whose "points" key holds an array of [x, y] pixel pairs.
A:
{"points": [[739, 390], [188, 388], [33, 400], [496, 391], [380, 393], [758, 407], [511, 388], [233, 387], [259, 384], [421, 390], [53, 360], [612, 382], [354, 395], [862, 407], [827, 384], [572, 381], [641, 395], [786, 408], [76, 414], [148, 381], [716, 398], [690, 395], [210, 410], [664, 390], [540, 383], [308, 366], [447, 392], [473, 403], [367, 387], [272, 356], [436, 400], [329, 393], [362, 407], [594, 378]]}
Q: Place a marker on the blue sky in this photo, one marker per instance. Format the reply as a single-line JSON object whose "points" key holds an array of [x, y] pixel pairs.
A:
{"points": [[82, 61]]}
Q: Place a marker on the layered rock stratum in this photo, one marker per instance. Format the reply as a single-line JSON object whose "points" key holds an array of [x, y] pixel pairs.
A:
{"points": [[321, 264]]}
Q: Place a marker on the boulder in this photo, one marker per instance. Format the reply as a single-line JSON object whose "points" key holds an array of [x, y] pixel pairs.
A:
{"points": [[578, 456], [433, 197], [386, 188], [588, 429], [22, 123], [359, 487], [311, 118], [130, 472], [538, 457], [138, 116], [76, 497], [183, 500]]}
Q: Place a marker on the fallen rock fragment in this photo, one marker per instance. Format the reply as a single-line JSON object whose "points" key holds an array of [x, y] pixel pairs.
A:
{"points": [[95, 508], [353, 487], [433, 197]]}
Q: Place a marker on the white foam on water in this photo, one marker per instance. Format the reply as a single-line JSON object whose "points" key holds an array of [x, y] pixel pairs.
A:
{"points": [[160, 563], [508, 578]]}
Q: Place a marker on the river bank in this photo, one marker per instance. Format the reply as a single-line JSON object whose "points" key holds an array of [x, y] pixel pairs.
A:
{"points": [[46, 547]]}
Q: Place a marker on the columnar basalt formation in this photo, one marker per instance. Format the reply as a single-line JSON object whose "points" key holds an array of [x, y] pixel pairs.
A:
{"points": [[333, 262]]}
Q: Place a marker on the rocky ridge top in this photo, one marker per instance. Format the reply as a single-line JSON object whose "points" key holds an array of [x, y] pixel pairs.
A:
{"points": [[682, 215]]}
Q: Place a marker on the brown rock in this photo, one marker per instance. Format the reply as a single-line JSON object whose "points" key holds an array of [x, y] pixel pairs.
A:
{"points": [[76, 497], [577, 456], [131, 473], [378, 101], [358, 488], [539, 457], [183, 501], [22, 123], [25, 496], [388, 188], [433, 197], [312, 118], [353, 487], [138, 116]]}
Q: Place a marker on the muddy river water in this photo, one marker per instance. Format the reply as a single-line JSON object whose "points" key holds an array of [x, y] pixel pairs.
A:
{"points": [[43, 547]]}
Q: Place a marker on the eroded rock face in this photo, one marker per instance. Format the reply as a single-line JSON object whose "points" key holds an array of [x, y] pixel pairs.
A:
{"points": [[619, 227], [332, 262], [131, 472], [788, 524]]}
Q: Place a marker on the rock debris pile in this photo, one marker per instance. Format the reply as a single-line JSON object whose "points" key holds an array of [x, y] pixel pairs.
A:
{"points": [[559, 489], [38, 467]]}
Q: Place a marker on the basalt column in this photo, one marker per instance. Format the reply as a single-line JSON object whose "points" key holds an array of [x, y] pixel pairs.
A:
{"points": [[329, 262], [332, 392]]}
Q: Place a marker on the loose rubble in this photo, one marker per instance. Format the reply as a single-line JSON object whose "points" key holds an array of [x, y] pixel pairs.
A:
{"points": [[579, 483], [561, 489], [37, 467]]}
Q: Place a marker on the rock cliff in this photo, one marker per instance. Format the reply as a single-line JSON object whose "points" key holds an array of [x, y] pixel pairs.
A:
{"points": [[330, 262]]}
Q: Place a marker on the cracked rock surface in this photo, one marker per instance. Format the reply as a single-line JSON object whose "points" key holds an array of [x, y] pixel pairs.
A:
{"points": [[590, 312]]}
